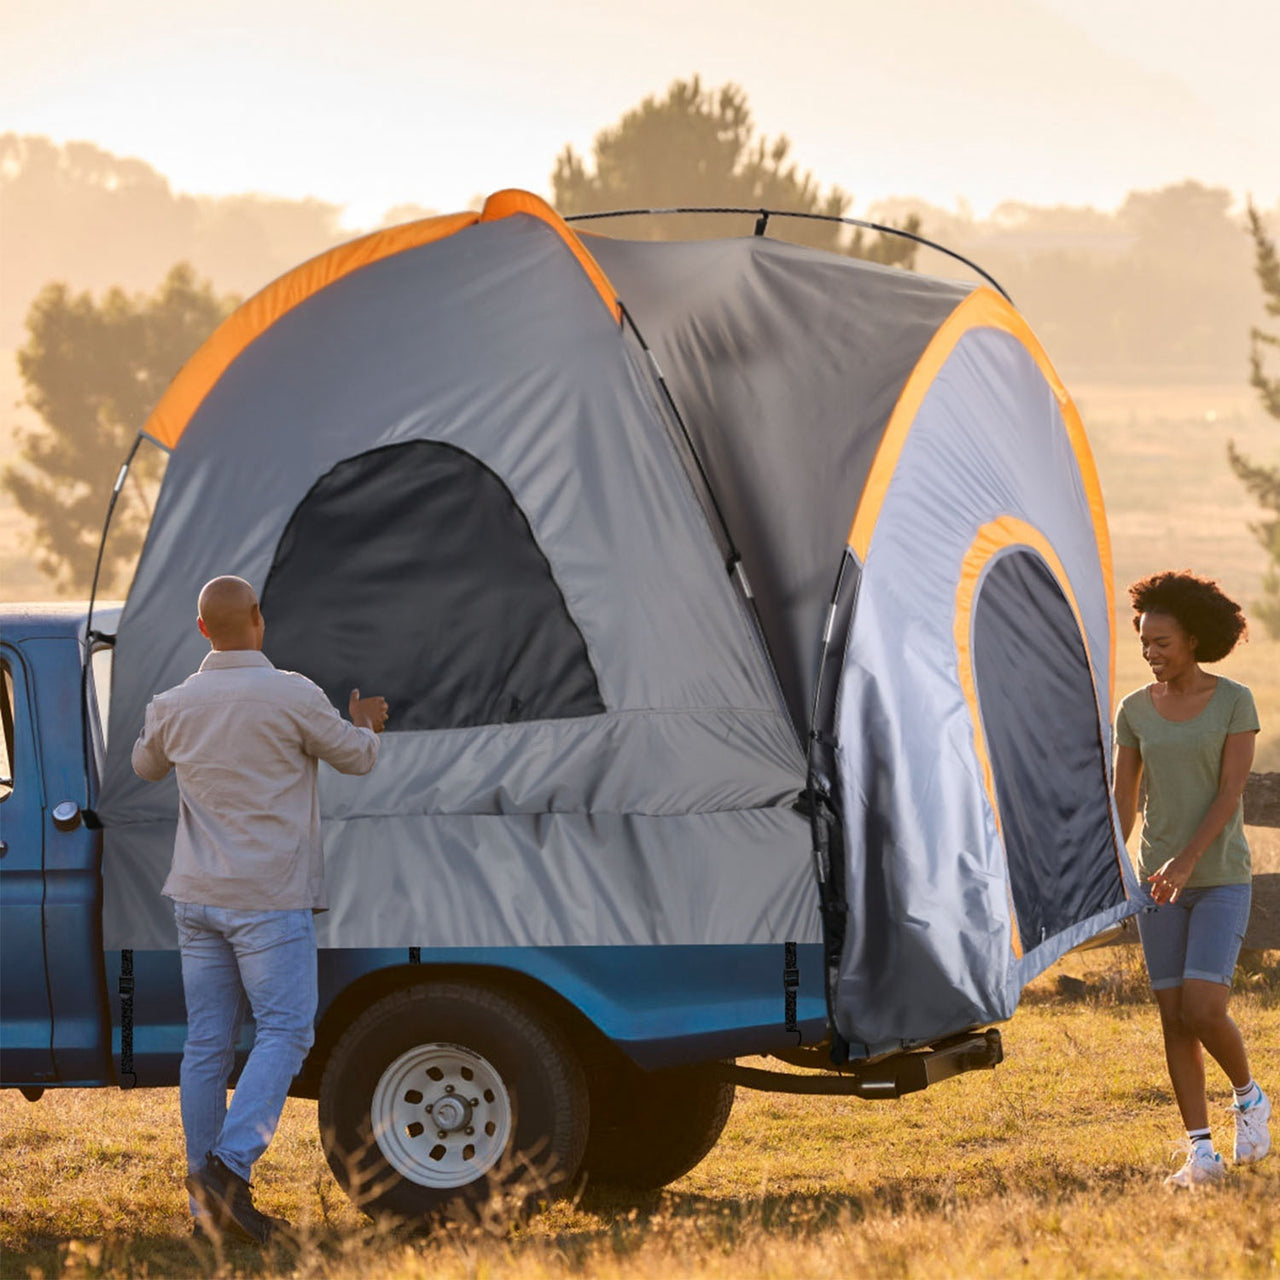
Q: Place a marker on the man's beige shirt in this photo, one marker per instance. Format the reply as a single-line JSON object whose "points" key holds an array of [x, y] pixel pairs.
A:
{"points": [[244, 739]]}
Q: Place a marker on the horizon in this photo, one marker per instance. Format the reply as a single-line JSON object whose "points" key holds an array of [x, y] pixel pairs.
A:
{"points": [[961, 208]]}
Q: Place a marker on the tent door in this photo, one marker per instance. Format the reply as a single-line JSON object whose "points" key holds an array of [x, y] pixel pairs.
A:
{"points": [[1039, 722]]}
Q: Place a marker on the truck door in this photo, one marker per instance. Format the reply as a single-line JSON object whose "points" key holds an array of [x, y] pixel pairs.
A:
{"points": [[26, 1055]]}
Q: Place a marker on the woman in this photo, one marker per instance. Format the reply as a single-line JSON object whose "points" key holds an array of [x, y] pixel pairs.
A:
{"points": [[1192, 734]]}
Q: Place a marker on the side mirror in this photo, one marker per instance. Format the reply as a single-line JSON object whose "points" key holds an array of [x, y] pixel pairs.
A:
{"points": [[66, 816]]}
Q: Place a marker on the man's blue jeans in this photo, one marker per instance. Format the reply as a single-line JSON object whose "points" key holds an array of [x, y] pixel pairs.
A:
{"points": [[232, 960]]}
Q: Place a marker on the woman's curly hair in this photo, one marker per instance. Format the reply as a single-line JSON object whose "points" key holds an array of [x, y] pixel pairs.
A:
{"points": [[1199, 607]]}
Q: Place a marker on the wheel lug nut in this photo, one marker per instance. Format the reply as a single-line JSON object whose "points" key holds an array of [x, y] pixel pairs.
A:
{"points": [[475, 1102], [448, 1088], [469, 1131], [428, 1108], [440, 1133]]}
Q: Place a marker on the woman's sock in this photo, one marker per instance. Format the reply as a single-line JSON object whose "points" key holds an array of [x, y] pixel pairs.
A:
{"points": [[1247, 1094]]}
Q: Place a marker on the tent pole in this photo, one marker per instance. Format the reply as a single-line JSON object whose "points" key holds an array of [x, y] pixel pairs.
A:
{"points": [[734, 558], [87, 655], [121, 476]]}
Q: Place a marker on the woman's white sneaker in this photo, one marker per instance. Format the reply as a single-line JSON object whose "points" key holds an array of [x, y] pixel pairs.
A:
{"points": [[1253, 1136], [1202, 1169]]}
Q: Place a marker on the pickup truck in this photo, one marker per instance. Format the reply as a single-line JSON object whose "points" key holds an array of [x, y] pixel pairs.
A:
{"points": [[442, 1074]]}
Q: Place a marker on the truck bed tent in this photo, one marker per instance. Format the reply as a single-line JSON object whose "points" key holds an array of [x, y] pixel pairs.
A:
{"points": [[674, 561]]}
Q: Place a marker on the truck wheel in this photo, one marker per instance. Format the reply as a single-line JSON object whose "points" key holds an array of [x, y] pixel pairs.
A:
{"points": [[650, 1128], [446, 1094]]}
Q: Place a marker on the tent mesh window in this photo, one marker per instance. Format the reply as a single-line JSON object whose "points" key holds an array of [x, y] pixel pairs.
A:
{"points": [[1040, 720], [409, 571]]}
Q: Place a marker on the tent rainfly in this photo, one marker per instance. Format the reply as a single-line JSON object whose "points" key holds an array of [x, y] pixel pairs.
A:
{"points": [[518, 480]]}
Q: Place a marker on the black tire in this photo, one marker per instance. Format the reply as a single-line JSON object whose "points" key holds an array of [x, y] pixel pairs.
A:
{"points": [[530, 1101], [650, 1128]]}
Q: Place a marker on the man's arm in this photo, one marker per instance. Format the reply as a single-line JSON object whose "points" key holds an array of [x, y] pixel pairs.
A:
{"points": [[149, 758], [348, 747]]}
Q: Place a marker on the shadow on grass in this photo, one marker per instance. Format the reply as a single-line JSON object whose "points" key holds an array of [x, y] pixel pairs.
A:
{"points": [[601, 1218], [178, 1255], [625, 1220], [171, 1255]]}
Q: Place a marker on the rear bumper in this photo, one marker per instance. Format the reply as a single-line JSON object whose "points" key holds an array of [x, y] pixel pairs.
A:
{"points": [[888, 1077]]}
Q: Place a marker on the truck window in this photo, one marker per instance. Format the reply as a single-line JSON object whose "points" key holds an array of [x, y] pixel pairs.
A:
{"points": [[6, 719]]}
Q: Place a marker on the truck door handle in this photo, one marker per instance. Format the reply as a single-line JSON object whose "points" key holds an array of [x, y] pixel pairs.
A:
{"points": [[4, 848]]}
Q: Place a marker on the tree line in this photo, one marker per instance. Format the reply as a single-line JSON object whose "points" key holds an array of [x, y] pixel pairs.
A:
{"points": [[1164, 286], [1159, 290], [1156, 289]]}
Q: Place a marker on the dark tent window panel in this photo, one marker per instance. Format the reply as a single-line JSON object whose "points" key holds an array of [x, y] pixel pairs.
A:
{"points": [[1041, 726], [409, 571]]}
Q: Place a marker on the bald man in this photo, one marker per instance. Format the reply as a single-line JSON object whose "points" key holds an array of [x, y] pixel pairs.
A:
{"points": [[247, 879]]}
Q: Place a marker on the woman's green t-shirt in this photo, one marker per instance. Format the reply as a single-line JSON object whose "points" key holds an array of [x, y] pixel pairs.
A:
{"points": [[1182, 762]]}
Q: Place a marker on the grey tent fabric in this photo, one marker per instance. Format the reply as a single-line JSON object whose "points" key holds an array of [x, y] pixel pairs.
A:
{"points": [[785, 363], [565, 415], [468, 880], [928, 944]]}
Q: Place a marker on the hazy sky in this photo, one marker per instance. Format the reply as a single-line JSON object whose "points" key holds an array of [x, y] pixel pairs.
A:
{"points": [[390, 101]]}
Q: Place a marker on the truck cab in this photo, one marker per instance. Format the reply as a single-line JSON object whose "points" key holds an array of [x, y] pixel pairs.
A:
{"points": [[56, 1027]]}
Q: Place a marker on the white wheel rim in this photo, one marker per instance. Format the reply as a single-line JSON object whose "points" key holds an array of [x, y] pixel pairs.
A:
{"points": [[441, 1115]]}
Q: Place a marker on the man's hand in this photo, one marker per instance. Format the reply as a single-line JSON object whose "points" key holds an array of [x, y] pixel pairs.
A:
{"points": [[367, 713]]}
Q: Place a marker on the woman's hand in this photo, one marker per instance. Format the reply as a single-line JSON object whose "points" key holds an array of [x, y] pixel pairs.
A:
{"points": [[1171, 879], [1237, 759]]}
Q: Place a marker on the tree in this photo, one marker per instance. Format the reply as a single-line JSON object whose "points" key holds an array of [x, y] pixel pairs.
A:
{"points": [[75, 212], [1262, 481], [93, 372], [698, 146]]}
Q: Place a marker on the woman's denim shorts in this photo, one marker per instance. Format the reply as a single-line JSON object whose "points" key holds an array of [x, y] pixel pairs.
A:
{"points": [[1198, 936]]}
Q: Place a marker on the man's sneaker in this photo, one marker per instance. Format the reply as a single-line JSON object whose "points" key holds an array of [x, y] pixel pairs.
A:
{"points": [[1202, 1169], [1253, 1137], [227, 1204]]}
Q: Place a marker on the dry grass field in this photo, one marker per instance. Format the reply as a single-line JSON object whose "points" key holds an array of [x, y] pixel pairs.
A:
{"points": [[1050, 1166]]}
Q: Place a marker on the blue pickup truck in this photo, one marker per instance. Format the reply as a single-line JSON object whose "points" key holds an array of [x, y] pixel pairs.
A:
{"points": [[628, 1051]]}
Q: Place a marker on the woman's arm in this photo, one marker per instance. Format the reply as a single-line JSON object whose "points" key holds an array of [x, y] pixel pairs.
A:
{"points": [[1237, 759], [1125, 787]]}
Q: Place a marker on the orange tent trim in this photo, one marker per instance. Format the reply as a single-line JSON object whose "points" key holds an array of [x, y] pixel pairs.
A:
{"points": [[253, 318], [502, 204], [983, 308]]}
